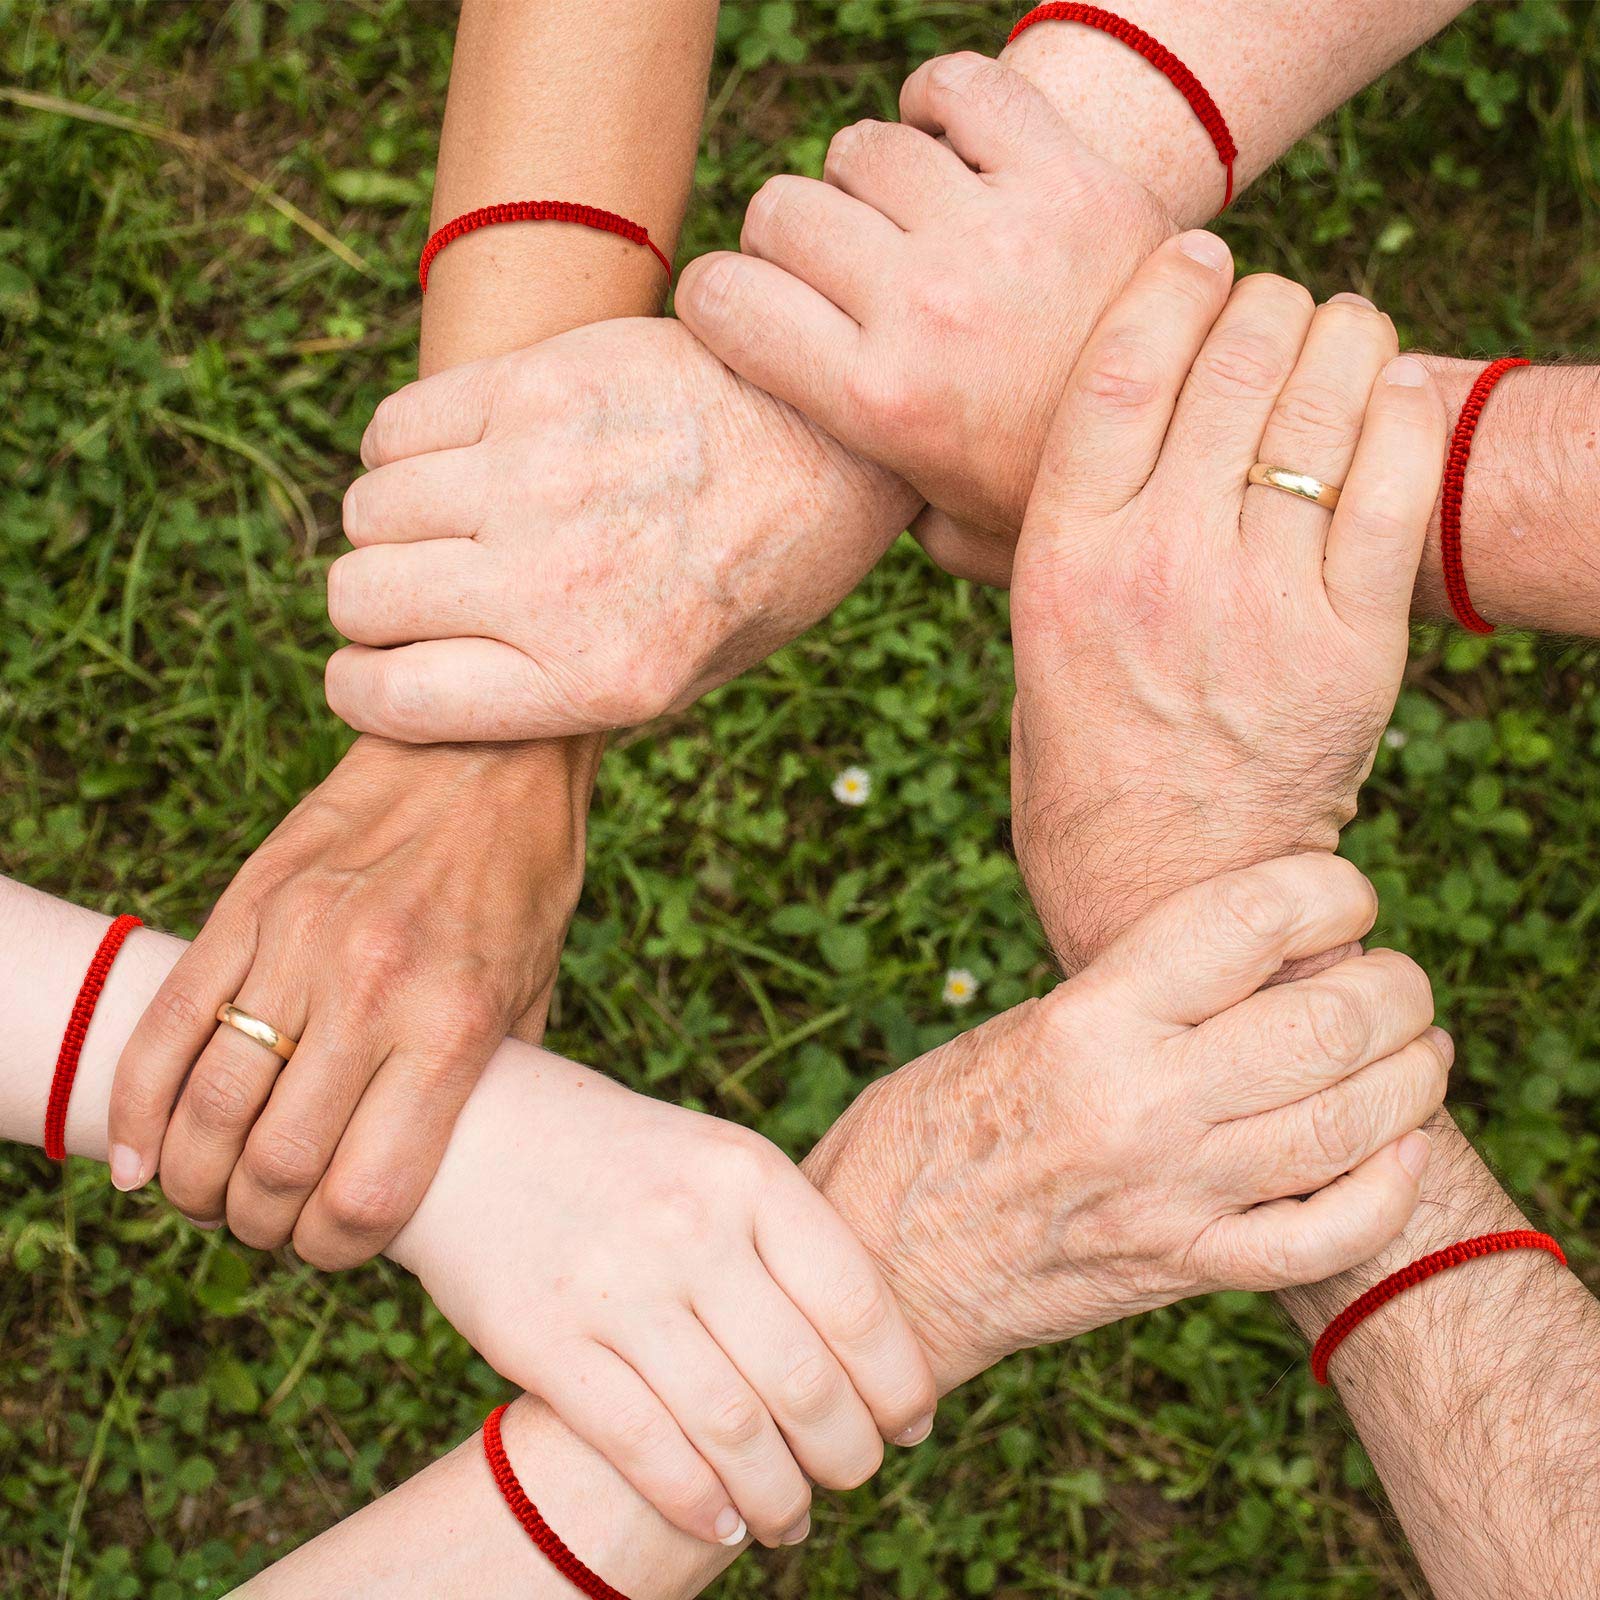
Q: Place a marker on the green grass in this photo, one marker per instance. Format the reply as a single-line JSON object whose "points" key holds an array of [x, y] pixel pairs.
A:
{"points": [[185, 370]]}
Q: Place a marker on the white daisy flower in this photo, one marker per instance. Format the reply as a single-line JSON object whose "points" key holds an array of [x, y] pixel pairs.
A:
{"points": [[853, 786], [960, 987]]}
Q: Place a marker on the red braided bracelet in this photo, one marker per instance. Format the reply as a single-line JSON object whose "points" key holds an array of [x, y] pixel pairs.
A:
{"points": [[1159, 57], [94, 980], [527, 1513], [1380, 1294], [1455, 473], [535, 211]]}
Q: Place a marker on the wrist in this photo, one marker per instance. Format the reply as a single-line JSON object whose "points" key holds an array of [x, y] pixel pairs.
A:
{"points": [[1524, 528], [1460, 1200]]}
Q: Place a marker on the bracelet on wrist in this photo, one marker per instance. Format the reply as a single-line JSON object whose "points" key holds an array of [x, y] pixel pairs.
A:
{"points": [[94, 980], [1161, 58], [1408, 1277], [535, 211]]}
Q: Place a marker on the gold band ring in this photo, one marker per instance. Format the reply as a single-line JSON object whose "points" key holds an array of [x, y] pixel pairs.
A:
{"points": [[280, 1044], [1296, 483]]}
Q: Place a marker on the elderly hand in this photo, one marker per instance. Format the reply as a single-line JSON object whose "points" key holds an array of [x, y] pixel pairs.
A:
{"points": [[1204, 668], [1154, 1128], [587, 534], [399, 922], [677, 1292], [925, 304]]}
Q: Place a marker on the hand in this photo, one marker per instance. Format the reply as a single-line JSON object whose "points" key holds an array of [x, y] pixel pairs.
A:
{"points": [[926, 303], [399, 922], [1154, 1128], [675, 1289], [1204, 668], [585, 535]]}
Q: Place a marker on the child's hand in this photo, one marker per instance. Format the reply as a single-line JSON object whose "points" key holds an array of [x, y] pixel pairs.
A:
{"points": [[675, 1289]]}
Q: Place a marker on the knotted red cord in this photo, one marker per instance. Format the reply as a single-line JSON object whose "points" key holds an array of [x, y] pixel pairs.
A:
{"points": [[1159, 57], [535, 211], [1455, 475], [527, 1513], [1380, 1294], [94, 980]]}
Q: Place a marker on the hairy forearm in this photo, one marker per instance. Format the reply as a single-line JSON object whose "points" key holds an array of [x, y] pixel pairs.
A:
{"points": [[1477, 1395]]}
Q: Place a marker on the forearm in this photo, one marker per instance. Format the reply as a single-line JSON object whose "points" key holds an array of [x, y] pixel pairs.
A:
{"points": [[1477, 1395], [1273, 70], [598, 104]]}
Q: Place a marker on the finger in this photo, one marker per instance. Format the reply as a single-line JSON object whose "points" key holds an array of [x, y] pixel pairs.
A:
{"points": [[226, 1090], [897, 171], [291, 1142], [388, 1152], [604, 1401], [784, 1359], [1206, 948], [826, 1271], [1119, 400], [724, 1419], [821, 235], [447, 411], [1375, 541], [1293, 1039], [774, 330], [401, 593], [964, 551], [1314, 428], [992, 116], [167, 1040], [1304, 1241], [437, 496], [1302, 1147], [450, 691], [1233, 385]]}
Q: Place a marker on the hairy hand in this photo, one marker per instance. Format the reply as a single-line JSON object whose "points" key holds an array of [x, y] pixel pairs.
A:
{"points": [[1155, 1128], [587, 534], [925, 304], [677, 1292], [399, 922], [1204, 668]]}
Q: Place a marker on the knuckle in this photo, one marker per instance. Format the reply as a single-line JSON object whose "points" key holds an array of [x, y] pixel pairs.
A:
{"points": [[367, 1204], [849, 145], [175, 1016], [352, 515], [1375, 522], [467, 1017], [860, 1310], [283, 1161], [944, 304], [679, 1215], [1335, 1127], [953, 77], [1123, 374], [714, 288], [735, 1419], [219, 1097], [811, 1387], [1334, 1019], [1312, 409], [640, 1430], [1239, 366], [771, 210], [374, 954], [1251, 907]]}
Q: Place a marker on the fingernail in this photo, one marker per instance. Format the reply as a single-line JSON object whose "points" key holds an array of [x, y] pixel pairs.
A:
{"points": [[917, 1432], [127, 1167], [1206, 248], [1415, 1149], [798, 1533], [1348, 297], [1444, 1044], [204, 1227], [730, 1528], [1406, 372]]}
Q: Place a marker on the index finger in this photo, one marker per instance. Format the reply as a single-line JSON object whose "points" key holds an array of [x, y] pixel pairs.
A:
{"points": [[448, 411], [1208, 947]]}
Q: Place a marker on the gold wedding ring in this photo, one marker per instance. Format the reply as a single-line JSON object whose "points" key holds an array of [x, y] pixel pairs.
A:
{"points": [[280, 1044], [1296, 483]]}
